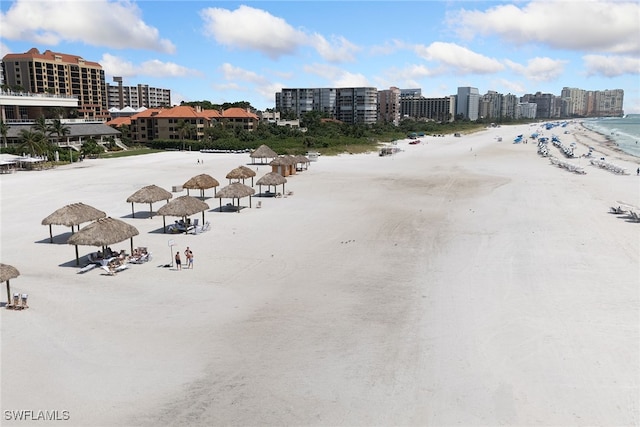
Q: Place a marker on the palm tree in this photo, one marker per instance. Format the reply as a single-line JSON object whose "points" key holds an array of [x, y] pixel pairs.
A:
{"points": [[59, 129], [40, 125], [33, 142], [182, 127], [4, 129]]}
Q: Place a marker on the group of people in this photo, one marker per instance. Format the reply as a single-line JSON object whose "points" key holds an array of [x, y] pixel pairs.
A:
{"points": [[188, 254]]}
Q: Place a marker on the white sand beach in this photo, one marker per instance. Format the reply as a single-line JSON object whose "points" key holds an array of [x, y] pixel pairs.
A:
{"points": [[461, 281]]}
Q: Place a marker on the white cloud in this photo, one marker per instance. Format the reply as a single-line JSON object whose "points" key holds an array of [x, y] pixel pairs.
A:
{"points": [[611, 66], [458, 59], [4, 49], [407, 77], [116, 66], [340, 50], [589, 26], [389, 47], [539, 69], [114, 24], [248, 28], [237, 74], [337, 77]]}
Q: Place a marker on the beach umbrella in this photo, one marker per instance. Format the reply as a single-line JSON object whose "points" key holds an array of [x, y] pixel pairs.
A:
{"points": [[263, 152], [303, 161], [8, 272], [149, 194], [241, 173], [103, 232], [272, 179], [182, 206], [234, 191], [72, 215], [201, 182]]}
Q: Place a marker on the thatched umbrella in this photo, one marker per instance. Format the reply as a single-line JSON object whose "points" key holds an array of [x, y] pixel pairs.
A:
{"points": [[8, 272], [234, 191], [72, 215], [263, 152], [303, 161], [249, 172], [272, 179], [182, 206], [103, 232], [241, 173], [201, 182], [149, 194]]}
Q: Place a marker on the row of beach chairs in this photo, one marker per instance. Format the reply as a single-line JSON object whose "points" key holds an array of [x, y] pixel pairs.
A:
{"points": [[609, 166], [567, 165]]}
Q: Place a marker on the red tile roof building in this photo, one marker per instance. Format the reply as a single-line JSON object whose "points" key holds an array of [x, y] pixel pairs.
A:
{"points": [[164, 123]]}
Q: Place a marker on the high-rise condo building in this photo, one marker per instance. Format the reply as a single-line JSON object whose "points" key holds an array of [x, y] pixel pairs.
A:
{"points": [[468, 103], [138, 96], [58, 74]]}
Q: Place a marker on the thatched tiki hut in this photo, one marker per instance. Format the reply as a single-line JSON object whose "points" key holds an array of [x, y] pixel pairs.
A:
{"points": [[201, 182], [72, 215], [241, 173], [8, 272], [302, 161], [272, 179], [234, 191], [149, 194], [183, 207], [263, 153], [102, 233], [284, 165]]}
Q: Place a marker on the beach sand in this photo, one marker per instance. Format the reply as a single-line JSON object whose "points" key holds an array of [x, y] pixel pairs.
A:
{"points": [[460, 281]]}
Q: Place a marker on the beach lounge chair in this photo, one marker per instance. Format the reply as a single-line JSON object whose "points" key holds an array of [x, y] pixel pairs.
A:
{"points": [[86, 268], [23, 300], [112, 271]]}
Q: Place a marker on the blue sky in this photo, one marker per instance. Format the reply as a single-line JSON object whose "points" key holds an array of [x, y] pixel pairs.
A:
{"points": [[226, 51]]}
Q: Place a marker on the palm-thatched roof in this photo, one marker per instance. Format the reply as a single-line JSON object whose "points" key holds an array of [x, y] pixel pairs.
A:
{"points": [[201, 182], [263, 152], [282, 161], [235, 190], [271, 178], [183, 206], [8, 272], [301, 159], [149, 194], [103, 232], [73, 214], [240, 173], [248, 171]]}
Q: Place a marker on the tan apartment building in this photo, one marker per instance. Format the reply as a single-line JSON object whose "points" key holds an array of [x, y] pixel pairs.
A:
{"points": [[165, 123], [56, 73]]}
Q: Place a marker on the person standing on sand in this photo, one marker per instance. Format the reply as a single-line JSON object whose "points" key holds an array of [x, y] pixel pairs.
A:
{"points": [[178, 261], [189, 256]]}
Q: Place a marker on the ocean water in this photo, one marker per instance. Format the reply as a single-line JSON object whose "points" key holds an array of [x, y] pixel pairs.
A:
{"points": [[624, 131]]}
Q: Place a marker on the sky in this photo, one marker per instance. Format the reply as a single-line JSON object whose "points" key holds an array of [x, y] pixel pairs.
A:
{"points": [[227, 51]]}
